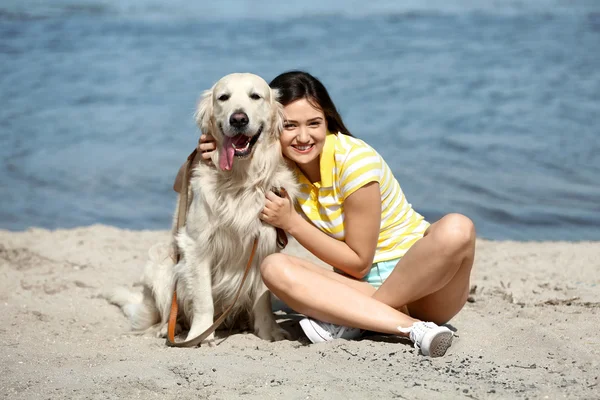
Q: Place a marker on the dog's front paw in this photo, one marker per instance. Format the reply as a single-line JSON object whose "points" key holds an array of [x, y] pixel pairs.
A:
{"points": [[209, 341], [164, 329], [199, 326], [271, 332]]}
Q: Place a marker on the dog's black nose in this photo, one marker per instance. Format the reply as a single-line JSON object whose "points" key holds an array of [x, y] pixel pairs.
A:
{"points": [[238, 119]]}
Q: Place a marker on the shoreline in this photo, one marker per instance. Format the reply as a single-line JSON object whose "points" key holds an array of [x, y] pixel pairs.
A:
{"points": [[530, 331], [167, 228]]}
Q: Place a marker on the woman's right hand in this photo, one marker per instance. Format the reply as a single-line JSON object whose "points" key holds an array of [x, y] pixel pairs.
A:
{"points": [[206, 147]]}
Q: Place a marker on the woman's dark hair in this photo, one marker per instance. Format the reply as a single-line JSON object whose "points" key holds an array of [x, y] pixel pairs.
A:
{"points": [[296, 85]]}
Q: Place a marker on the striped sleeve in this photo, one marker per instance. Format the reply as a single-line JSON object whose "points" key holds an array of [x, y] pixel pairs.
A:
{"points": [[362, 165]]}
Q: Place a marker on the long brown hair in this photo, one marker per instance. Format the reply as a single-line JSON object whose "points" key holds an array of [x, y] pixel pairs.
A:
{"points": [[296, 85]]}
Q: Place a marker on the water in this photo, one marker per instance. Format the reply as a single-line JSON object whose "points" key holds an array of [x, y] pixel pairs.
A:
{"points": [[491, 110]]}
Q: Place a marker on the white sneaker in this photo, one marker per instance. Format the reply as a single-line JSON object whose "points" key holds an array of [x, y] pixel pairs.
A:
{"points": [[318, 332], [431, 339]]}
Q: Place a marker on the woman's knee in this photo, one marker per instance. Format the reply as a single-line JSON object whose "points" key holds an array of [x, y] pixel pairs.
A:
{"points": [[456, 234], [275, 270]]}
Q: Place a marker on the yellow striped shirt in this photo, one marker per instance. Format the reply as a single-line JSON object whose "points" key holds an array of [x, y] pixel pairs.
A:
{"points": [[346, 165]]}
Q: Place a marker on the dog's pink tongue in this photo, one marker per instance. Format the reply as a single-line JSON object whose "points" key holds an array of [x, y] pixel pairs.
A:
{"points": [[226, 155]]}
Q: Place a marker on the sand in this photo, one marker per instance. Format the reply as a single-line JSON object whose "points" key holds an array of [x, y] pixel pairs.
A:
{"points": [[529, 331]]}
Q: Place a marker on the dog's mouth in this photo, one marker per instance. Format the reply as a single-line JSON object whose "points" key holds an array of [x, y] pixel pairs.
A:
{"points": [[240, 146]]}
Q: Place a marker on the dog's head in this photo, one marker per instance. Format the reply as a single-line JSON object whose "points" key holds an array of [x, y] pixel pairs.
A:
{"points": [[241, 112]]}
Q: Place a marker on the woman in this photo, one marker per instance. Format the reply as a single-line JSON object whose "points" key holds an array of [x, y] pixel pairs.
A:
{"points": [[392, 269]]}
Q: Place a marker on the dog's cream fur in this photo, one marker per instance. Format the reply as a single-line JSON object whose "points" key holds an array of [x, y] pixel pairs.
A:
{"points": [[222, 223]]}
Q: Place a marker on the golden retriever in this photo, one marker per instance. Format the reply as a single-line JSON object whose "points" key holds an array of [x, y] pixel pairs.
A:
{"points": [[242, 113]]}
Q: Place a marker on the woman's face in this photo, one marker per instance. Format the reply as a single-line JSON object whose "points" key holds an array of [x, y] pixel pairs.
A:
{"points": [[304, 132]]}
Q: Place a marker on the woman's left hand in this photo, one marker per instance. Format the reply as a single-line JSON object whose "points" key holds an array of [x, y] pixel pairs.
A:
{"points": [[278, 211]]}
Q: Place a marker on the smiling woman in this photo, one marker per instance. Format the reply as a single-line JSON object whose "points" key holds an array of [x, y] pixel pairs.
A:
{"points": [[392, 269], [303, 136]]}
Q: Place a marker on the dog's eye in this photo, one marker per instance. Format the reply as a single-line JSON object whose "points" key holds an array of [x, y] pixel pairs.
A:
{"points": [[224, 97], [255, 96]]}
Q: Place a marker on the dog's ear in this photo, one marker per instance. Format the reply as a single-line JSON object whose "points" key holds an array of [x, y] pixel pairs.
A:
{"points": [[204, 112], [277, 115]]}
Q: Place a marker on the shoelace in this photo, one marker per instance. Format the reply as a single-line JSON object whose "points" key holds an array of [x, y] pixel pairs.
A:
{"points": [[336, 331], [417, 332], [413, 337]]}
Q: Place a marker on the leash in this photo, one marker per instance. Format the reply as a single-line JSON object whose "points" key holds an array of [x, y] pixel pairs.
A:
{"points": [[184, 203]]}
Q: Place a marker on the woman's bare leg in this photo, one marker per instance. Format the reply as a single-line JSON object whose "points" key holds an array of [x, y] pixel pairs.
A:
{"points": [[432, 279], [339, 300]]}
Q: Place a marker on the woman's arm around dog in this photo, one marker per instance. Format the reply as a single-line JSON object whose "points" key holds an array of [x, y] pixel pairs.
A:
{"points": [[362, 218]]}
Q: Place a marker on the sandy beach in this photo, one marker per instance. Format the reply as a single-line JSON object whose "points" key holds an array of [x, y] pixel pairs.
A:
{"points": [[530, 330]]}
